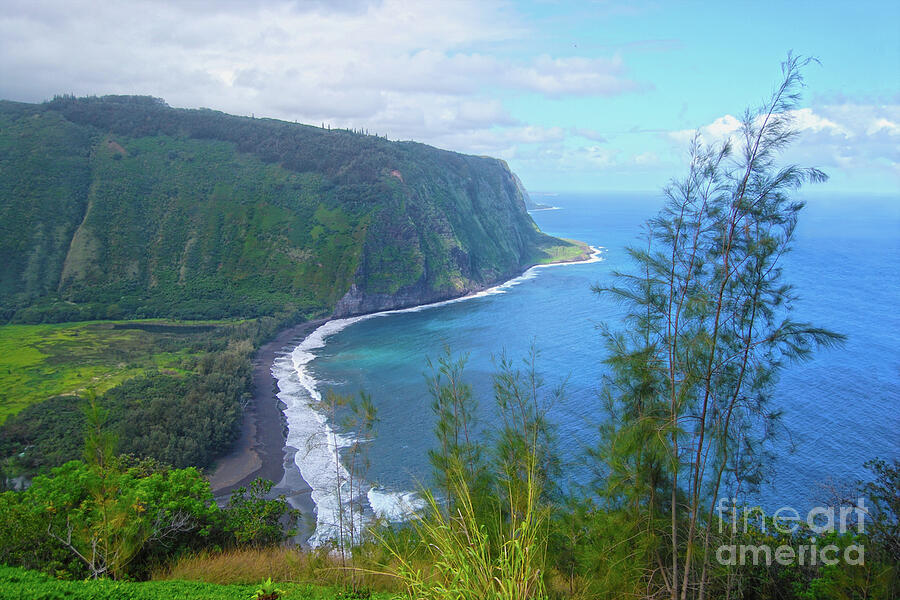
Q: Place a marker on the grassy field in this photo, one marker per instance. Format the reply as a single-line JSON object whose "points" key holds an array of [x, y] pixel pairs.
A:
{"points": [[41, 361], [572, 251], [18, 583]]}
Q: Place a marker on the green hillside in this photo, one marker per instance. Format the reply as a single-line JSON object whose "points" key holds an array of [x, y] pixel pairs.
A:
{"points": [[122, 207]]}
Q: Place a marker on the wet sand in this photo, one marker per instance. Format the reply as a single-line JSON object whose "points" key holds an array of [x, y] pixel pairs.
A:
{"points": [[261, 451]]}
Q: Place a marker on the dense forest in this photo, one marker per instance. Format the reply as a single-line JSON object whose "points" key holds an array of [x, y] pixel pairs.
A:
{"points": [[183, 412], [122, 207]]}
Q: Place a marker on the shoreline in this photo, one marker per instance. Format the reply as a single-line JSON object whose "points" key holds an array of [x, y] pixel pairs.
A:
{"points": [[262, 450]]}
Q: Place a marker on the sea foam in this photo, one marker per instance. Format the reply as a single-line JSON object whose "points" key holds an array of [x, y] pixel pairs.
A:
{"points": [[395, 507], [319, 444]]}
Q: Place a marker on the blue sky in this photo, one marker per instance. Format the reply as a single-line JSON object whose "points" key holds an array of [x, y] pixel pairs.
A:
{"points": [[697, 62], [574, 95]]}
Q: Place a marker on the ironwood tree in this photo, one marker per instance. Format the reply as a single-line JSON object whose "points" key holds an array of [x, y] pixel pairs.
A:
{"points": [[708, 327]]}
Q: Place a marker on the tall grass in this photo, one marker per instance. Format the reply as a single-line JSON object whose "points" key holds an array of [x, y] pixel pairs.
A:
{"points": [[240, 566], [282, 564], [475, 558], [487, 539]]}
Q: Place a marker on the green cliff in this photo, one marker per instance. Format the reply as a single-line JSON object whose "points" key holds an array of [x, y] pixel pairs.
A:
{"points": [[122, 207]]}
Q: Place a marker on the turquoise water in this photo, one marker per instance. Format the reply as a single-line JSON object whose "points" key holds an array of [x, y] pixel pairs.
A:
{"points": [[840, 409]]}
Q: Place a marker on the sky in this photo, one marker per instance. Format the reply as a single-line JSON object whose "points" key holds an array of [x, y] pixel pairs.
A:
{"points": [[575, 96]]}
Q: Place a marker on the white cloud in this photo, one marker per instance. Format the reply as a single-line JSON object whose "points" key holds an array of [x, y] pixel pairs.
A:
{"points": [[573, 75], [410, 70], [508, 142], [588, 134], [646, 158], [804, 119], [715, 132], [846, 137], [885, 125], [447, 73]]}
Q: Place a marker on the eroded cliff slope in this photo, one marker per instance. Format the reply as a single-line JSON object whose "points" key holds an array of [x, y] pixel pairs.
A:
{"points": [[120, 207]]}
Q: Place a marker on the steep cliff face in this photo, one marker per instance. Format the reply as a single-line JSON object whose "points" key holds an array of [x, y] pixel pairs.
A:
{"points": [[124, 207], [445, 238]]}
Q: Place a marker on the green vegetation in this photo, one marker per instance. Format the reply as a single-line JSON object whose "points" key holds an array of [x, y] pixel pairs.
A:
{"points": [[568, 251], [121, 207], [487, 535], [268, 590], [41, 361], [175, 391], [255, 520], [497, 529], [19, 584], [115, 516], [709, 327], [690, 377]]}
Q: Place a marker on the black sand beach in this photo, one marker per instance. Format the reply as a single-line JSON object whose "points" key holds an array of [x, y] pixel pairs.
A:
{"points": [[261, 451]]}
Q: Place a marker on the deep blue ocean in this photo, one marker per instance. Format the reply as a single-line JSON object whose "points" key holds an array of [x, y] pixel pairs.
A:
{"points": [[840, 409]]}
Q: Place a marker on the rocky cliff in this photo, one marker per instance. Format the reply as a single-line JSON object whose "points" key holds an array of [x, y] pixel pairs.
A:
{"points": [[122, 206]]}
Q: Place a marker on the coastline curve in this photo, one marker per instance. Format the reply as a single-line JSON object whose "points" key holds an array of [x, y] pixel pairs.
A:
{"points": [[308, 430]]}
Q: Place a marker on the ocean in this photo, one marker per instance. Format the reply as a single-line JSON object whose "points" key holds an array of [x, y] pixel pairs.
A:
{"points": [[840, 409]]}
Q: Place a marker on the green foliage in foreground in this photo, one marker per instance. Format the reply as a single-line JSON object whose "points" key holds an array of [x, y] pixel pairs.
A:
{"points": [[494, 532], [708, 328], [19, 584], [497, 530], [501, 531], [254, 519], [486, 536], [113, 516]]}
